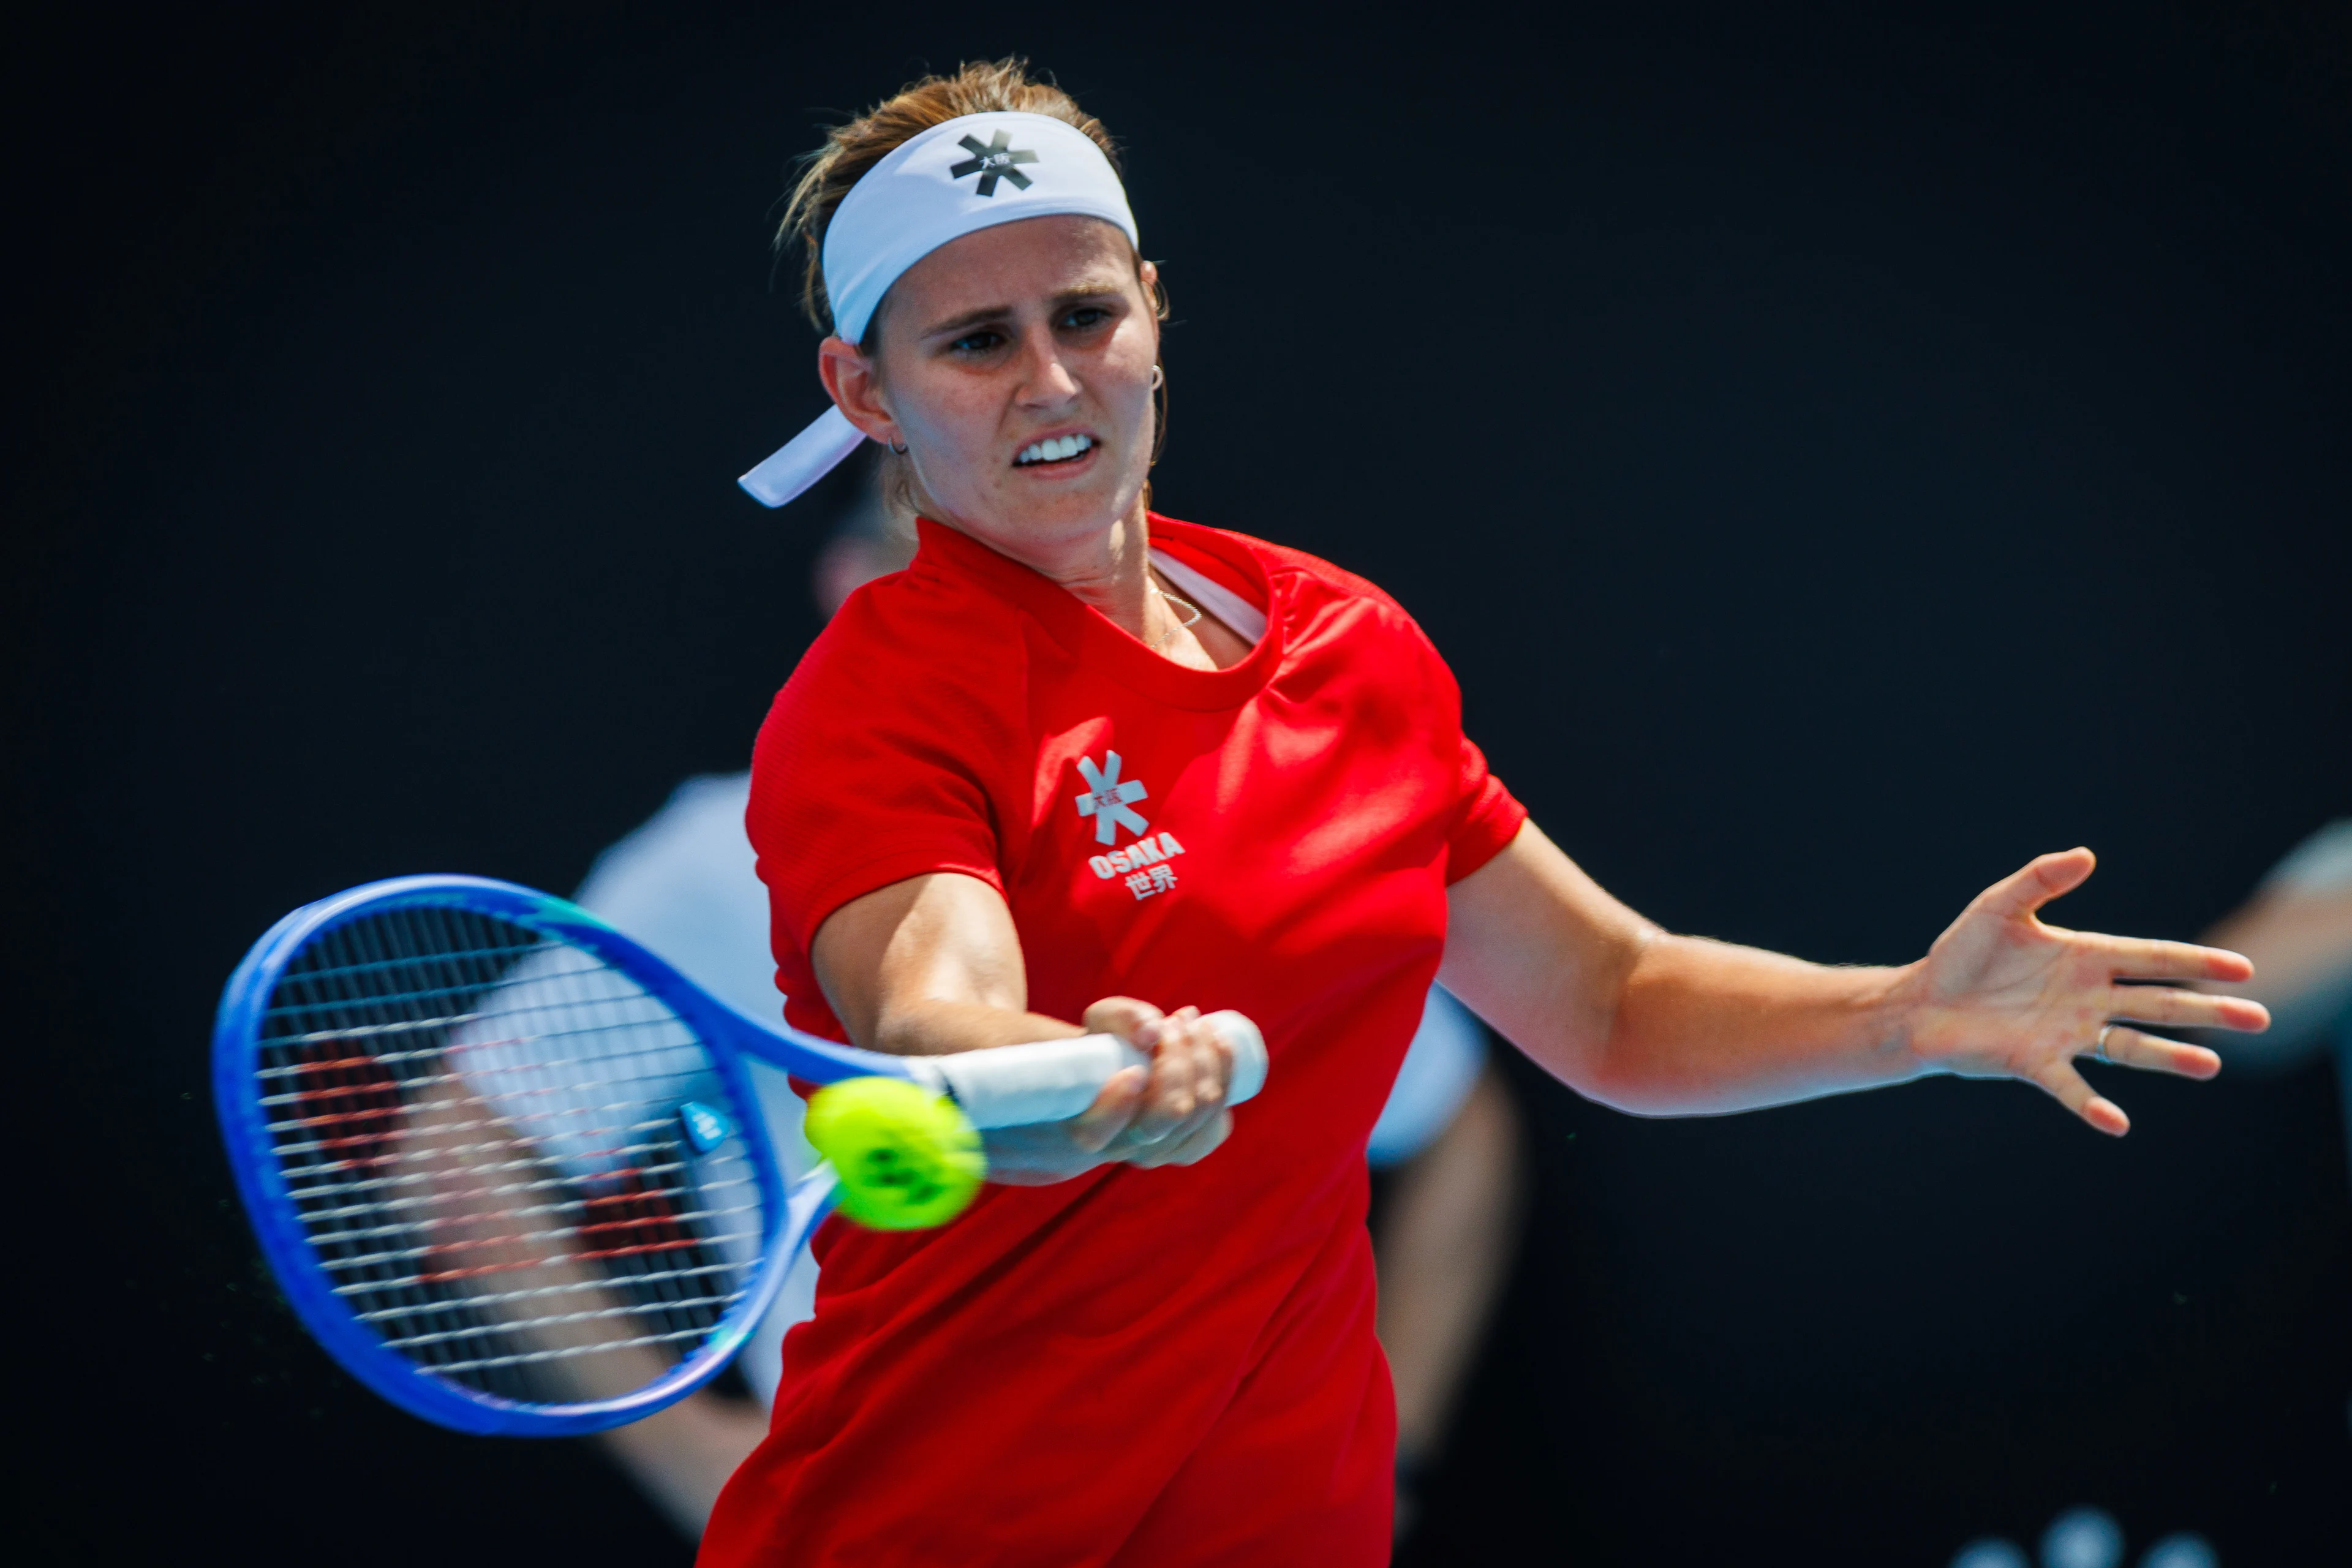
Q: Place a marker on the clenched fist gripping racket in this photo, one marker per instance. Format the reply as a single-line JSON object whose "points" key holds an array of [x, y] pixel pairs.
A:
{"points": [[509, 1168]]}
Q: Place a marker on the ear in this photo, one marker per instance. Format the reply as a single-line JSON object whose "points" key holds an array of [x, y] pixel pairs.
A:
{"points": [[856, 387], [1148, 274]]}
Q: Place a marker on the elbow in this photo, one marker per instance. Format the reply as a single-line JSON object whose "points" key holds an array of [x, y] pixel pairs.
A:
{"points": [[1632, 1096], [1622, 1085], [1589, 1071]]}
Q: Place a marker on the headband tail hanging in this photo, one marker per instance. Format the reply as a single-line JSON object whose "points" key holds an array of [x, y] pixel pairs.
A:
{"points": [[806, 458]]}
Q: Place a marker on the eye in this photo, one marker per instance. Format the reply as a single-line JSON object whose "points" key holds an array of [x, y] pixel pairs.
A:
{"points": [[979, 342], [1081, 317]]}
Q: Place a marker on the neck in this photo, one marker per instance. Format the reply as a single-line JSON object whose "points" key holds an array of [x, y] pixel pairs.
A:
{"points": [[1111, 569], [1108, 567]]}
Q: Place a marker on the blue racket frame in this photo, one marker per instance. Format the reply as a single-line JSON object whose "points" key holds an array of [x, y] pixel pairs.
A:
{"points": [[789, 1216]]}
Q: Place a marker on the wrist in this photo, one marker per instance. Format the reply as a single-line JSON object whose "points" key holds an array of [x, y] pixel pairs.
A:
{"points": [[1896, 1027]]}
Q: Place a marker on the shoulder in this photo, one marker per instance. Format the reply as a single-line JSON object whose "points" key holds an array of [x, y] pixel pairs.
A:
{"points": [[1277, 562], [1334, 581], [913, 643], [908, 707], [1326, 605]]}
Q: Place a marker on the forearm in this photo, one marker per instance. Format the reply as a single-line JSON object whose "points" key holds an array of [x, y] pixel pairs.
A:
{"points": [[1671, 1025], [927, 1026], [929, 967], [1652, 1023], [1703, 1026], [932, 965]]}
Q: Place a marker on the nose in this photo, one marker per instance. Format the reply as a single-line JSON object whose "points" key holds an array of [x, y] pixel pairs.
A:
{"points": [[1045, 381]]}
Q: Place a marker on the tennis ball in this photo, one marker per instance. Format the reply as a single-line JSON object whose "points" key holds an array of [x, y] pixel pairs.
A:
{"points": [[907, 1158]]}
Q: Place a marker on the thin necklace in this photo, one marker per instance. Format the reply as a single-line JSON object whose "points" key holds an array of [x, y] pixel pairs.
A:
{"points": [[1171, 600]]}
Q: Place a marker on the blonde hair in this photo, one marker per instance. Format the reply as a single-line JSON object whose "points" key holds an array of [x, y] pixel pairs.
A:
{"points": [[851, 150]]}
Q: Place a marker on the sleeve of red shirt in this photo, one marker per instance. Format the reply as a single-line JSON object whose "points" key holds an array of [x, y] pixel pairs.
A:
{"points": [[873, 763], [1490, 816]]}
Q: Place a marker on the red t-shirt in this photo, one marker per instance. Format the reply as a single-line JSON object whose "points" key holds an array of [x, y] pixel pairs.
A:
{"points": [[1132, 1367]]}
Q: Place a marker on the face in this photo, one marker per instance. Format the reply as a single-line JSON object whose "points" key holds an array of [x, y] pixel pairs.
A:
{"points": [[1015, 364]]}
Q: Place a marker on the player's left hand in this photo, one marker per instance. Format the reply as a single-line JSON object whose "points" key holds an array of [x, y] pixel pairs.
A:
{"points": [[2001, 995]]}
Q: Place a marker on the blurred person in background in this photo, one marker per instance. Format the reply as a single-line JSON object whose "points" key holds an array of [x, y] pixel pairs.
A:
{"points": [[1446, 1145], [1446, 1159], [2297, 929]]}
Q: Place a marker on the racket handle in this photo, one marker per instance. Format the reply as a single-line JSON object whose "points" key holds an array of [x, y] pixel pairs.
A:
{"points": [[1013, 1086]]}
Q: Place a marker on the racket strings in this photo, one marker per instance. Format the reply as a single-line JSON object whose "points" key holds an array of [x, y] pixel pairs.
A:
{"points": [[498, 1193], [508, 1007], [535, 1293], [477, 1153], [604, 1239], [394, 1125], [478, 1127]]}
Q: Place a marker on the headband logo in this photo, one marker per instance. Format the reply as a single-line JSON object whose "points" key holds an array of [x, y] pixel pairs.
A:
{"points": [[993, 162]]}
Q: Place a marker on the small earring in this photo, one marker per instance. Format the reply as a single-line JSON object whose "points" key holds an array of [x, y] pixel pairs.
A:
{"points": [[897, 449], [1159, 378]]}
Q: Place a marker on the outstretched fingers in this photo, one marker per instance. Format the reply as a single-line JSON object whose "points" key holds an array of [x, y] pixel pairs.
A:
{"points": [[2067, 1087], [2143, 959], [2188, 1010], [2127, 1047]]}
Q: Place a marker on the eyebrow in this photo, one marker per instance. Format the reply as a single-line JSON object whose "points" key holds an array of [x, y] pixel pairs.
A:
{"points": [[970, 319]]}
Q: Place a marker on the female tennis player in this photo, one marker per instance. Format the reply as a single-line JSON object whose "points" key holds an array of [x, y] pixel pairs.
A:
{"points": [[1081, 766]]}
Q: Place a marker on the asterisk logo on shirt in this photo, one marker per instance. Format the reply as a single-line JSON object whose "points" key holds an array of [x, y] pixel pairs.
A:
{"points": [[1107, 799], [994, 162]]}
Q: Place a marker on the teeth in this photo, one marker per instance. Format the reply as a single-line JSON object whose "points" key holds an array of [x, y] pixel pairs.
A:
{"points": [[1055, 450]]}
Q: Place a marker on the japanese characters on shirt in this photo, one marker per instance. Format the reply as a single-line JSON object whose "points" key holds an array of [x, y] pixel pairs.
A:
{"points": [[1110, 801]]}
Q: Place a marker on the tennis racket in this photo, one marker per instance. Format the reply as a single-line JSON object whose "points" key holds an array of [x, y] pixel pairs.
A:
{"points": [[508, 1166]]}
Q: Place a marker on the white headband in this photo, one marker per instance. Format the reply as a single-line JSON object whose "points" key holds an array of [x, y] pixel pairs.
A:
{"points": [[971, 173]]}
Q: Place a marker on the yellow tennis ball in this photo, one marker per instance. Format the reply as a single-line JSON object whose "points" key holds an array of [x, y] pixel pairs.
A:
{"points": [[907, 1158]]}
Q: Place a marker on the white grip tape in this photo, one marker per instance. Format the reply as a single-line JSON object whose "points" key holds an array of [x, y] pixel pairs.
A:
{"points": [[1053, 1080]]}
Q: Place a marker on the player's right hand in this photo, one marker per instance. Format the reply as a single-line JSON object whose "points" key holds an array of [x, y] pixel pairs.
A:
{"points": [[1182, 1113], [1174, 1115]]}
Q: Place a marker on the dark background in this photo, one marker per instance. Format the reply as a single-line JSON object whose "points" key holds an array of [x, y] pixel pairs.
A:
{"points": [[1843, 455]]}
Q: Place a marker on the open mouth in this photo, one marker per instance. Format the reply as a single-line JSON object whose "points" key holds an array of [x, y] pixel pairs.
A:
{"points": [[1061, 450]]}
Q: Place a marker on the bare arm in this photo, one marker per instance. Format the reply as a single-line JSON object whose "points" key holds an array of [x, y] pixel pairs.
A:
{"points": [[932, 965], [1661, 1025]]}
